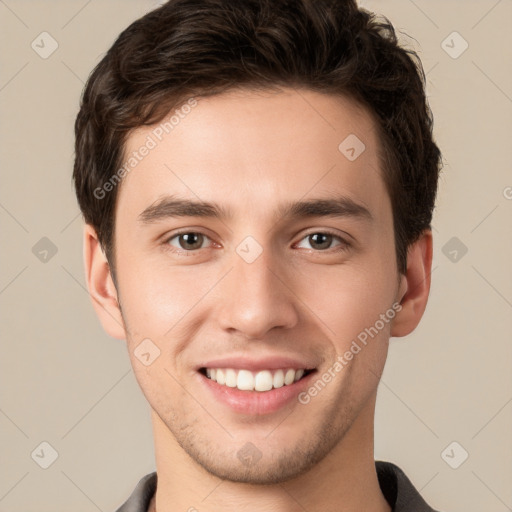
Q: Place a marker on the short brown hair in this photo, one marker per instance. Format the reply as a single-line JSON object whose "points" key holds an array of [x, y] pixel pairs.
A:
{"points": [[191, 48]]}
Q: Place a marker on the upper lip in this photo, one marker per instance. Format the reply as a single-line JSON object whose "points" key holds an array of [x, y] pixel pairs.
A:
{"points": [[253, 364]]}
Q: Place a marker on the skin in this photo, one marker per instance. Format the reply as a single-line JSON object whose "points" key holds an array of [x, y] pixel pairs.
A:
{"points": [[251, 151]]}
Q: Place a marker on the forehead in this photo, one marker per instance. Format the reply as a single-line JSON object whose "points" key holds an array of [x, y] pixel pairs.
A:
{"points": [[249, 149]]}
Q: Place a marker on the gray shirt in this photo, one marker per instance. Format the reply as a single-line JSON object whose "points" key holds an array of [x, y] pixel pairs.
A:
{"points": [[398, 490]]}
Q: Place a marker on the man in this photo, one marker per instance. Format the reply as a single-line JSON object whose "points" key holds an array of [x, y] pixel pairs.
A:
{"points": [[257, 180]]}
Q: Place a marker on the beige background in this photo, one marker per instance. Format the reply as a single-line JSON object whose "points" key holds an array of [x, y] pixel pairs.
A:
{"points": [[64, 381]]}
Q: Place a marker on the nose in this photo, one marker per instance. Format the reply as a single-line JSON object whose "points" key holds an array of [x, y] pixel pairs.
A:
{"points": [[257, 297]]}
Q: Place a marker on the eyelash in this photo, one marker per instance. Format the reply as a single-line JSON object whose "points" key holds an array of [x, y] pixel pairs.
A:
{"points": [[343, 246]]}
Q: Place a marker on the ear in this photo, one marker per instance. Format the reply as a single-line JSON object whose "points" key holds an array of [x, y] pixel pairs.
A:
{"points": [[101, 287], [414, 286]]}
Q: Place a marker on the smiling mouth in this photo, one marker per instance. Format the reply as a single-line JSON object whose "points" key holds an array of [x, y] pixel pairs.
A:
{"points": [[263, 380]]}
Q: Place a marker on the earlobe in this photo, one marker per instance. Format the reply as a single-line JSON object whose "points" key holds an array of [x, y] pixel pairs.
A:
{"points": [[415, 286], [101, 287]]}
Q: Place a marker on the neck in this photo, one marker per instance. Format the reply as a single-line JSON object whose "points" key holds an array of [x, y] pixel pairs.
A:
{"points": [[345, 480]]}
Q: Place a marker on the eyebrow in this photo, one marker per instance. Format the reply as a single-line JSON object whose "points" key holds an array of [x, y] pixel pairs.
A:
{"points": [[171, 207]]}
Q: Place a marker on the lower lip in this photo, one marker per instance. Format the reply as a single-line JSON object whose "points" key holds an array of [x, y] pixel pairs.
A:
{"points": [[256, 402]]}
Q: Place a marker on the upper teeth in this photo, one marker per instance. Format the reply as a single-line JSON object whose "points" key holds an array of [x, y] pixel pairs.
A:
{"points": [[246, 380]]}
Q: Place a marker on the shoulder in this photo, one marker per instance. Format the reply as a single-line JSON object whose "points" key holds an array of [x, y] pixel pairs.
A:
{"points": [[141, 496], [399, 490]]}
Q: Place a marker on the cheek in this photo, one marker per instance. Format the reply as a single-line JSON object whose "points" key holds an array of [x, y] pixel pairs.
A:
{"points": [[346, 299], [156, 297]]}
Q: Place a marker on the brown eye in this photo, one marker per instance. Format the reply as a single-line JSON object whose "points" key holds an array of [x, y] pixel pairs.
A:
{"points": [[323, 240], [188, 241], [320, 240]]}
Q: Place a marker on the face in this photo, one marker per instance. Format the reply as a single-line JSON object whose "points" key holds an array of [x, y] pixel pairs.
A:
{"points": [[250, 282]]}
